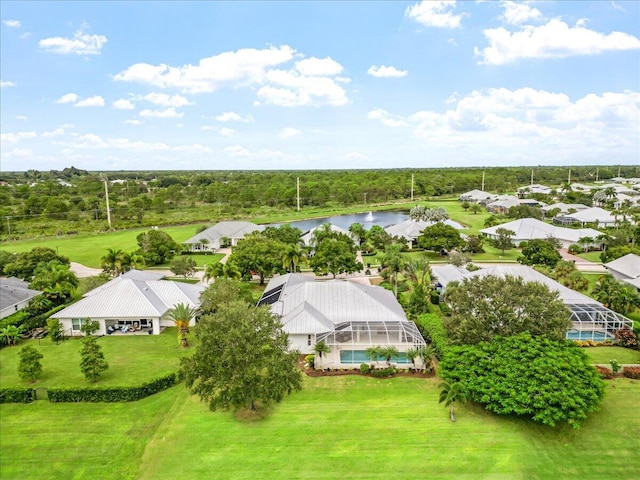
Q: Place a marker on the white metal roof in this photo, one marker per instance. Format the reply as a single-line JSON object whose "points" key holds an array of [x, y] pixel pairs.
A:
{"points": [[629, 265], [142, 275], [411, 229], [307, 237], [133, 298], [232, 229], [593, 214], [531, 228], [477, 195]]}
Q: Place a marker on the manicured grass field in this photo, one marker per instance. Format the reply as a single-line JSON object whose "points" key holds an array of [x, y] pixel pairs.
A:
{"points": [[337, 427], [604, 354], [132, 360], [591, 256], [200, 259]]}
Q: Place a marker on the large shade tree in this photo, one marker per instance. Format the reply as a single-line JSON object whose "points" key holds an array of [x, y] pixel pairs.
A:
{"points": [[242, 359], [440, 236], [257, 253], [485, 307], [334, 256]]}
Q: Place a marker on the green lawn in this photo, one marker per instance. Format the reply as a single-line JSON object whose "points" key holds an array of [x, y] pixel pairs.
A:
{"points": [[200, 259], [604, 354], [337, 427], [132, 360], [591, 256]]}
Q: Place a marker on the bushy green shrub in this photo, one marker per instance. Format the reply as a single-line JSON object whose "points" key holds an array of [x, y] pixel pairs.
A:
{"points": [[17, 395], [575, 248], [383, 372], [365, 368], [430, 325], [310, 360], [113, 394]]}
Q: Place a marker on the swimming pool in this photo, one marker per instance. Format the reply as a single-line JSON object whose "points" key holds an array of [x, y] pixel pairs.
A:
{"points": [[587, 335], [360, 356]]}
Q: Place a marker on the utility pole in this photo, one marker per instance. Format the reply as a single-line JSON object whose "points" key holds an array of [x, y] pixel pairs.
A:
{"points": [[532, 176], [365, 197], [9, 225], [298, 192], [106, 196], [412, 187], [597, 174], [482, 181], [569, 179], [618, 171]]}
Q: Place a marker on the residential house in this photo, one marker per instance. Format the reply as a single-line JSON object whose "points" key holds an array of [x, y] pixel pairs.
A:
{"points": [[15, 295], [502, 204], [307, 238], [220, 235], [534, 188], [476, 196], [626, 269], [527, 229], [594, 215], [564, 208], [411, 229], [348, 317]]}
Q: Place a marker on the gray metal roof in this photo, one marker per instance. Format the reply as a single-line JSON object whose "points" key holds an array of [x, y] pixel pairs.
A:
{"points": [[142, 275], [565, 207], [629, 266], [446, 274], [477, 195], [13, 291], [593, 214], [531, 228], [133, 298], [233, 230], [308, 236], [411, 229]]}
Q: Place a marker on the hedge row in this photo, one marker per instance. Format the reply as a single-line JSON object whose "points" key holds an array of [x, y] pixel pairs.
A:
{"points": [[433, 331], [631, 372], [113, 394], [17, 395]]}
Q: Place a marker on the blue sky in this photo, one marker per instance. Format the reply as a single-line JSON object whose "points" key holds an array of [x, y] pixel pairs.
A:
{"points": [[316, 85]]}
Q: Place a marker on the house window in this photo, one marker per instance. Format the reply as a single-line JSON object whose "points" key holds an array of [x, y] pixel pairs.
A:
{"points": [[77, 323], [309, 340]]}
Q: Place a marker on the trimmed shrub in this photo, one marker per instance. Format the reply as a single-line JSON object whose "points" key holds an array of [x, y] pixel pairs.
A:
{"points": [[113, 394], [604, 372], [365, 368], [310, 360], [383, 372], [430, 325], [625, 337], [17, 395], [575, 249], [631, 372]]}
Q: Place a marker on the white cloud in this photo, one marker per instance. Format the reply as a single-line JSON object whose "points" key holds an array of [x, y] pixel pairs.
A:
{"points": [[227, 132], [516, 13], [386, 118], [288, 132], [22, 117], [318, 67], [95, 101], [16, 137], [310, 82], [167, 113], [81, 44], [234, 117], [174, 101], [68, 98], [133, 122], [54, 133], [123, 104], [12, 23], [5, 84], [434, 13], [236, 151], [354, 156], [242, 67], [24, 35], [385, 72], [554, 39]]}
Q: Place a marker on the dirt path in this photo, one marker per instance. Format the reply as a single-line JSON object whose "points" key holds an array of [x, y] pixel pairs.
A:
{"points": [[82, 271]]}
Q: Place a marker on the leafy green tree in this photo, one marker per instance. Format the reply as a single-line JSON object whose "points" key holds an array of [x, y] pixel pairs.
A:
{"points": [[242, 359], [24, 264], [358, 232], [181, 314], [550, 382], [540, 252], [485, 307], [394, 263], [183, 266], [450, 393], [418, 303], [440, 236], [334, 256], [223, 291], [566, 273], [55, 329], [92, 361], [525, 211], [378, 237], [285, 233], [320, 349], [465, 205], [156, 247], [56, 280], [473, 245], [475, 208], [10, 334], [293, 254], [29, 366], [504, 239], [260, 254]]}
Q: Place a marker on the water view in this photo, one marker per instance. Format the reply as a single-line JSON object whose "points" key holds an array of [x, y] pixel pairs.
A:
{"points": [[368, 220]]}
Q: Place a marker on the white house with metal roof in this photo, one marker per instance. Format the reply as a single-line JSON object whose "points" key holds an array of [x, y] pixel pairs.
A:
{"points": [[308, 237], [476, 196], [564, 208], [15, 295], [626, 269], [594, 215], [135, 302], [589, 318], [526, 229], [411, 229], [346, 316], [212, 238], [534, 188]]}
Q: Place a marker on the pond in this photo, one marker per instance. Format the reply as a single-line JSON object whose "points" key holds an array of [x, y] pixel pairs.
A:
{"points": [[368, 220]]}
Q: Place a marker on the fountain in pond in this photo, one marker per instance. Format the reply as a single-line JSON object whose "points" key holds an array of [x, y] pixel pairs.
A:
{"points": [[369, 217]]}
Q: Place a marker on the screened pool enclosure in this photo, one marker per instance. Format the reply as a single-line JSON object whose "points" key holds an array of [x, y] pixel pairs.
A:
{"points": [[594, 321]]}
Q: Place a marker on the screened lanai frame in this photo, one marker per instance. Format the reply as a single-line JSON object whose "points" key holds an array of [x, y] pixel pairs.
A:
{"points": [[362, 334], [594, 322]]}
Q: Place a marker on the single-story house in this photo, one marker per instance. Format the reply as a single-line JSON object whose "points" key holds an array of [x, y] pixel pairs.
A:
{"points": [[581, 187], [590, 320], [595, 215], [410, 229], [134, 302], [15, 295], [307, 238], [622, 199], [502, 204], [564, 208], [527, 229], [213, 238], [626, 269], [476, 196], [346, 316], [535, 188]]}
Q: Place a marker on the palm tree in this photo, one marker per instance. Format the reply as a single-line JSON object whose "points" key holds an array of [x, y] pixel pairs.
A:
{"points": [[10, 334], [292, 256], [213, 270], [388, 353], [112, 261], [358, 232], [419, 270], [451, 393], [412, 354], [394, 262], [373, 353], [428, 354], [181, 314], [321, 348], [586, 242]]}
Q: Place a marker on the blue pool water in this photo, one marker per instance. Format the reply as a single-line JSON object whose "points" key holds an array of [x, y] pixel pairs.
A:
{"points": [[360, 356], [586, 335]]}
